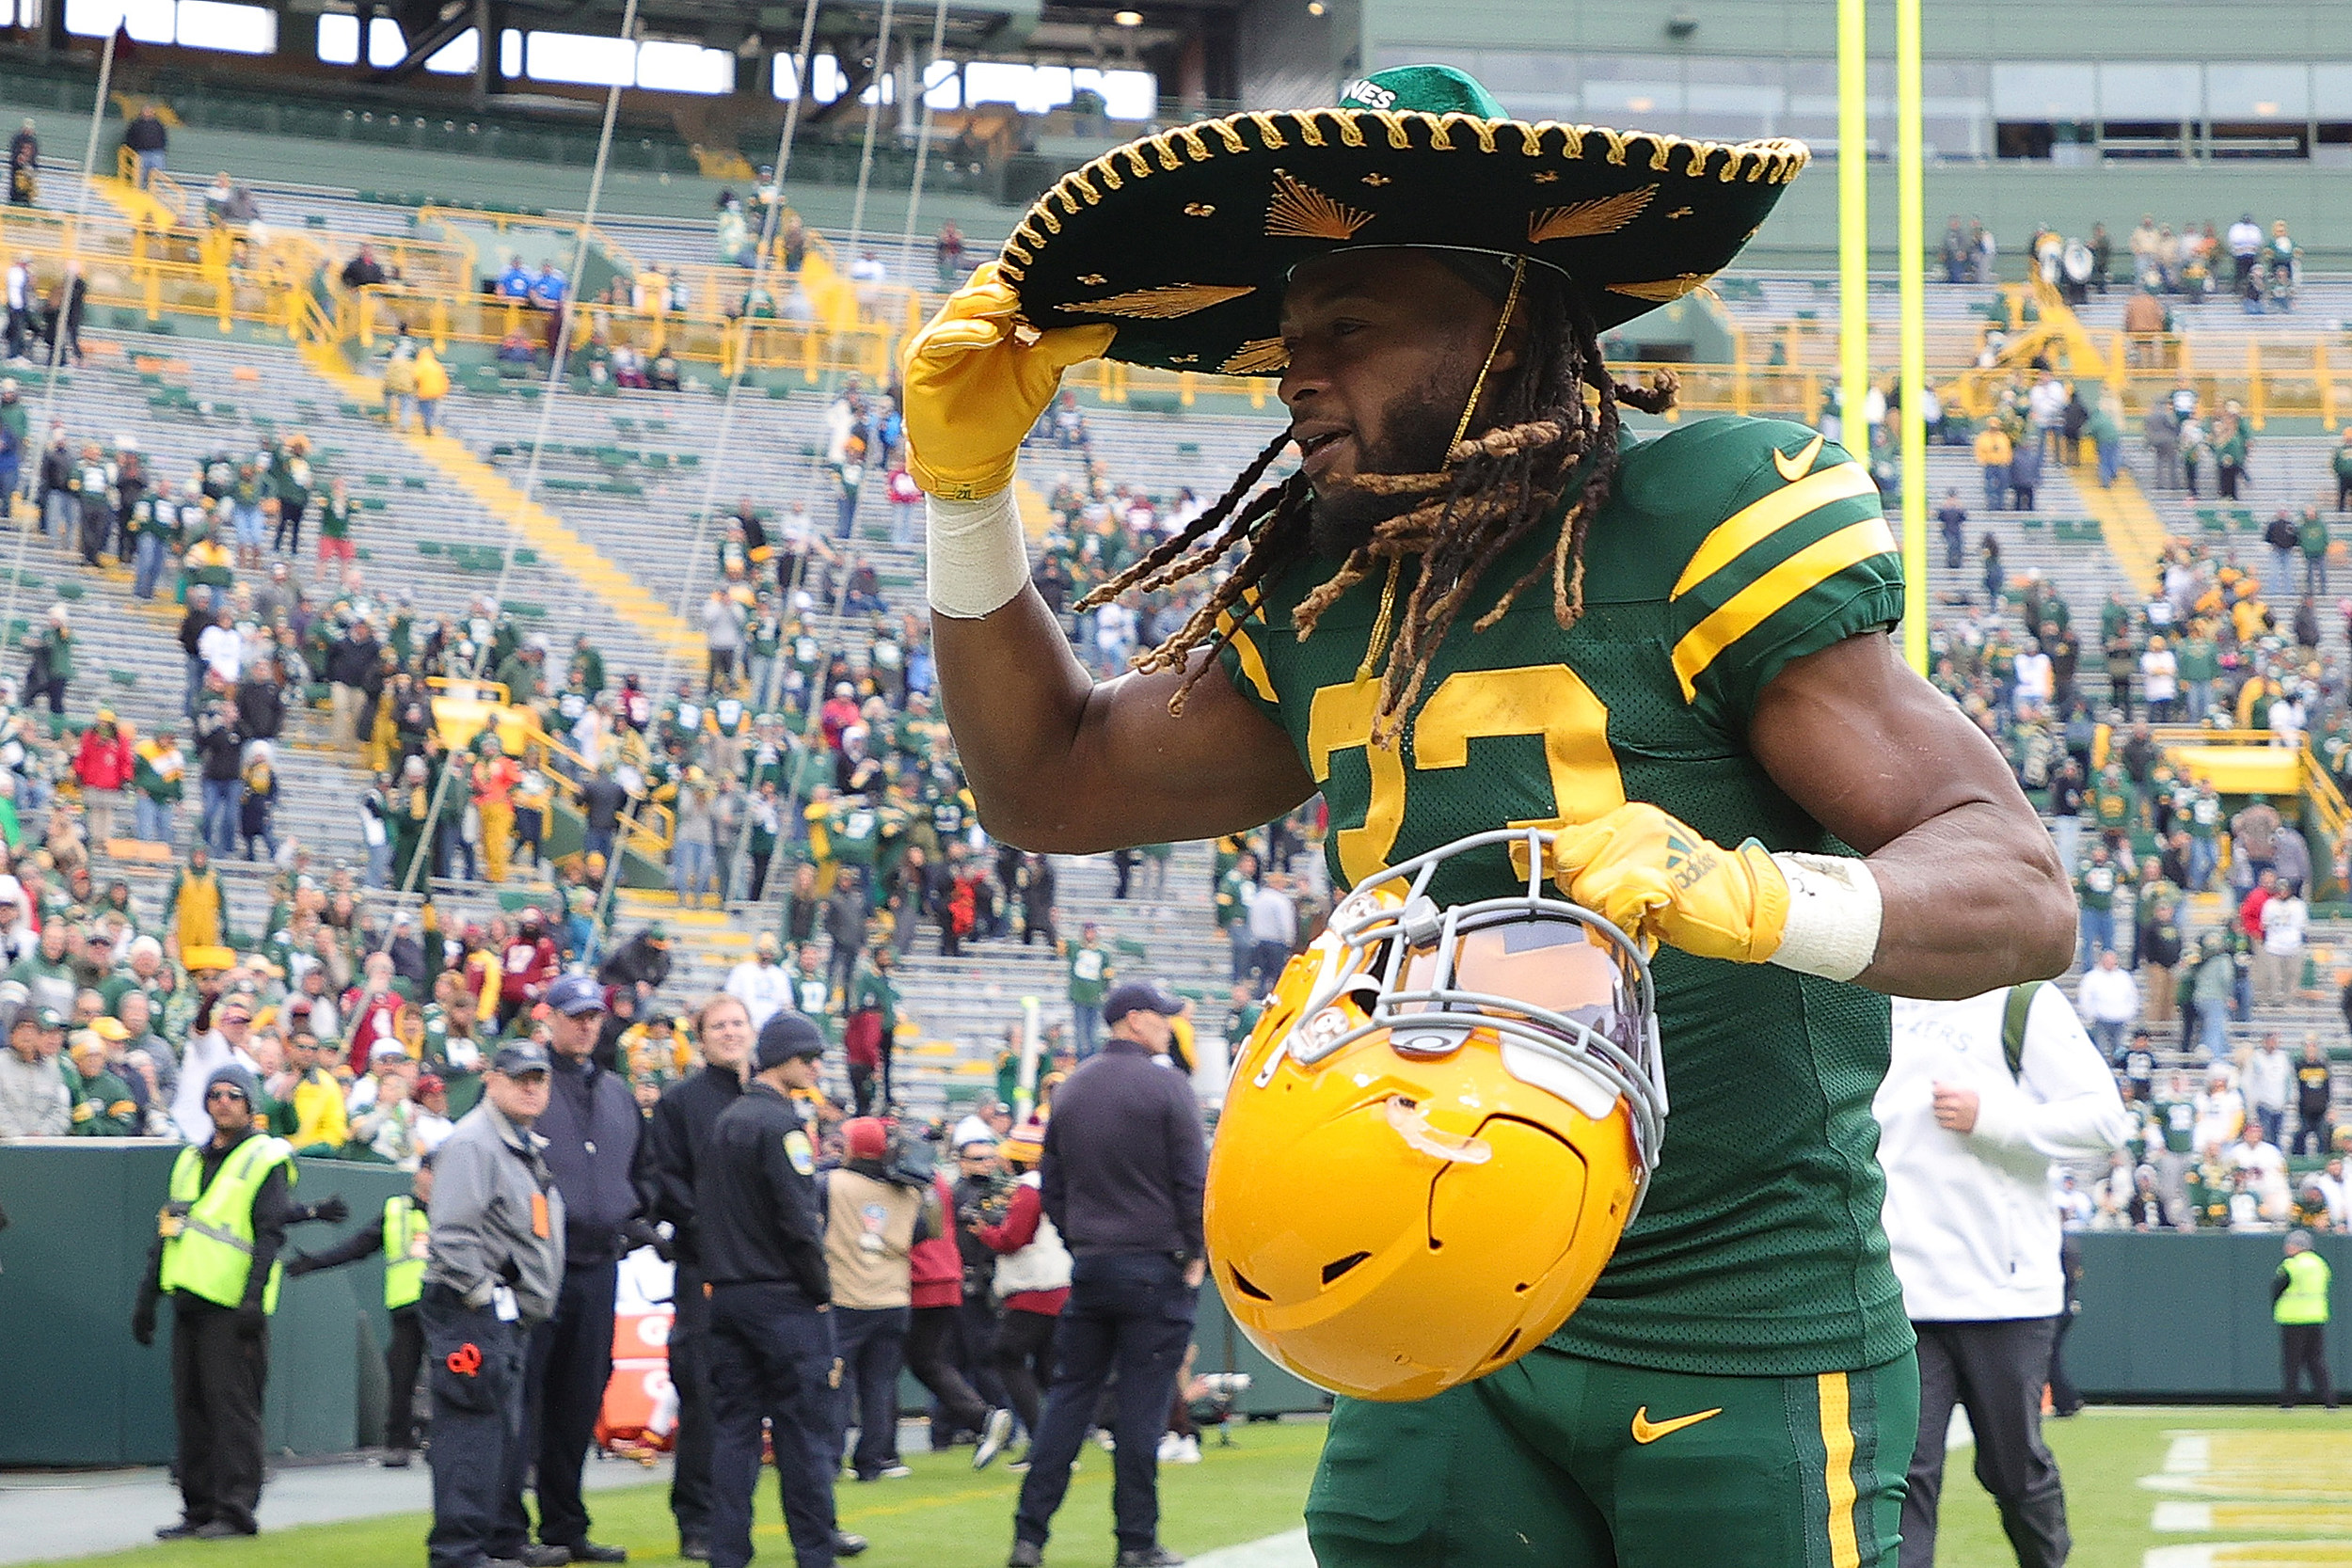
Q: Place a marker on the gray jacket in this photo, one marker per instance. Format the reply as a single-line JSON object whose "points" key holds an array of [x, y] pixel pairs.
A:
{"points": [[485, 1180], [34, 1102]]}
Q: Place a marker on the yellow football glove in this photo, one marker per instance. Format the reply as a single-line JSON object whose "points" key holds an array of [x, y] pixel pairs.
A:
{"points": [[973, 388], [1659, 881]]}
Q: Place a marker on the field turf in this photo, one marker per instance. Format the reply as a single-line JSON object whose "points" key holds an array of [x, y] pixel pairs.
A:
{"points": [[948, 1517]]}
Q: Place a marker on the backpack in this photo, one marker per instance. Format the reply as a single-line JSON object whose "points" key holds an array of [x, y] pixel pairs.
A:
{"points": [[2014, 1013]]}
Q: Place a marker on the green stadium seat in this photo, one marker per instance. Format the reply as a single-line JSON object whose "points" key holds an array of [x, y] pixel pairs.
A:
{"points": [[428, 546]]}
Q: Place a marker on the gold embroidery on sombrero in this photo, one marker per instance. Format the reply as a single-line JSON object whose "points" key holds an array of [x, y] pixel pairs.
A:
{"points": [[1163, 303], [1394, 122], [1483, 129], [1532, 138], [1095, 280], [1682, 212], [1184, 359], [1309, 132], [1045, 215], [1376, 180], [1618, 141], [1572, 140], [1351, 133], [1230, 135], [1163, 145], [1546, 176], [1604, 215], [1664, 291], [1258, 357], [1189, 137], [1269, 135], [1199, 209], [1104, 170], [1011, 273], [1299, 211], [1136, 162], [1662, 149], [1086, 187]]}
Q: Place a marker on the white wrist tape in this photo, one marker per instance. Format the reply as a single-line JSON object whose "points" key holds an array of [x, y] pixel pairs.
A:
{"points": [[978, 558], [1834, 915]]}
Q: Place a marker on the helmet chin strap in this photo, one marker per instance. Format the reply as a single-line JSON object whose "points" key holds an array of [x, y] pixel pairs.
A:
{"points": [[1383, 623]]}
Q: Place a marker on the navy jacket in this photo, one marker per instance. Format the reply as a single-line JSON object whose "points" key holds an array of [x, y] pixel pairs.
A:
{"points": [[1124, 1159], [594, 1147]]}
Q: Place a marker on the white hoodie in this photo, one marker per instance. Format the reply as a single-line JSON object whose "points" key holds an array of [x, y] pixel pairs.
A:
{"points": [[1970, 1221]]}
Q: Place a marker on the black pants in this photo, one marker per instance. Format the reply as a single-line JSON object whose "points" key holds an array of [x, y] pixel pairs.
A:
{"points": [[475, 1364], [770, 1359], [933, 1338], [287, 535], [216, 1380], [2302, 1347], [1023, 1358], [571, 1361], [976, 1324], [872, 1345], [1996, 1371], [759, 874], [2065, 1398], [690, 1374], [402, 1359], [1129, 1315], [864, 1082]]}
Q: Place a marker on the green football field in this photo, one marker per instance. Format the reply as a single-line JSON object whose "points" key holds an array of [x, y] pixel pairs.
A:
{"points": [[2241, 1489]]}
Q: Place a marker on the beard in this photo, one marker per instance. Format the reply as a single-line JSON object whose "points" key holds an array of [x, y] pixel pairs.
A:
{"points": [[1420, 424]]}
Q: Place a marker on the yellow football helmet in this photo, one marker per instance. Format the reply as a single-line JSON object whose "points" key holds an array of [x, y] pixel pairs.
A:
{"points": [[1436, 1135]]}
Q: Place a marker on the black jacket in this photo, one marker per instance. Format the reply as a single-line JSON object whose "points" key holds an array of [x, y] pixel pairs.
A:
{"points": [[350, 659], [679, 1132], [222, 753], [594, 1147], [1124, 1159], [636, 961], [756, 1198]]}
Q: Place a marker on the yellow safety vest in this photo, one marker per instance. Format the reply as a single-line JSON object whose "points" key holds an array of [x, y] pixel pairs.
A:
{"points": [[2305, 1300], [406, 1231], [208, 1231]]}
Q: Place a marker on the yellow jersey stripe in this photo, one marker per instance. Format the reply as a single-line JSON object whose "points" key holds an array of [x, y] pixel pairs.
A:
{"points": [[1771, 593], [1252, 662], [1837, 1469], [1752, 524]]}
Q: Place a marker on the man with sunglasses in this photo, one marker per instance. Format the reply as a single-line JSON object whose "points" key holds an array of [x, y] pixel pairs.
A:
{"points": [[216, 1244]]}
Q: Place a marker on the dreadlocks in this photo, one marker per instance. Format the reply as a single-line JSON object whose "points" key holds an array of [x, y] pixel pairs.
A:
{"points": [[1494, 488]]}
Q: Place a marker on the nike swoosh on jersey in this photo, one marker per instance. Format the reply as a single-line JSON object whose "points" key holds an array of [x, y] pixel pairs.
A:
{"points": [[1794, 468], [1647, 1430]]}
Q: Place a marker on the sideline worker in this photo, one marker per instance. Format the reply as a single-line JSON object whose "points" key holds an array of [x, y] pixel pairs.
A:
{"points": [[2299, 1305], [591, 1133], [1980, 1095], [677, 1134], [771, 1352], [404, 1235], [215, 1255], [493, 1267], [1120, 1179]]}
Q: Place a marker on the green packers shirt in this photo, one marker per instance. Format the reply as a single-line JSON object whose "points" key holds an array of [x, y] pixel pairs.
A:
{"points": [[1728, 547]]}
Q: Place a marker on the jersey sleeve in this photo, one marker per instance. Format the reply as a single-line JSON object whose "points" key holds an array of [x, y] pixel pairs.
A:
{"points": [[1800, 558], [1249, 640]]}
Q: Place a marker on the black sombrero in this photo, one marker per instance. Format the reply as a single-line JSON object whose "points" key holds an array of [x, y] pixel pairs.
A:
{"points": [[1183, 240]]}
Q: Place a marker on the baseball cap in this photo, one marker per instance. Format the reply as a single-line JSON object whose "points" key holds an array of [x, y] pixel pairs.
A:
{"points": [[49, 1018], [864, 1138], [517, 1057], [575, 994], [786, 1037], [236, 1005], [430, 1083], [1138, 996], [1025, 1143], [109, 1029]]}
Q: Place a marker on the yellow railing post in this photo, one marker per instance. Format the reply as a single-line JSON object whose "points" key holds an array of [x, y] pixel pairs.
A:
{"points": [[1185, 389], [2254, 400], [2326, 385]]}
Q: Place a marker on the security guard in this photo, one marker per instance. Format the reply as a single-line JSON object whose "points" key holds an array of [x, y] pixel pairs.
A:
{"points": [[771, 1351], [216, 1254], [403, 1235], [493, 1267], [679, 1132], [2299, 1305]]}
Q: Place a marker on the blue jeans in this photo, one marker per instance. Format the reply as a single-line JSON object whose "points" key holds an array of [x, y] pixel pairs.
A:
{"points": [[2098, 932], [2067, 833], [2110, 459], [151, 817], [691, 869], [221, 798], [148, 564], [1086, 1026], [150, 163], [2212, 1026], [2200, 695], [1129, 1313], [2203, 855], [380, 864], [2110, 1034], [59, 514]]}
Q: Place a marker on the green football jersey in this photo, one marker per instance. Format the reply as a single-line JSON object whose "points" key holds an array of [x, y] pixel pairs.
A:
{"points": [[1728, 548]]}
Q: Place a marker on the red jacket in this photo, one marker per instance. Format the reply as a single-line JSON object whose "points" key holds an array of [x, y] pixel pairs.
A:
{"points": [[1017, 1230], [104, 762], [528, 967], [935, 1268]]}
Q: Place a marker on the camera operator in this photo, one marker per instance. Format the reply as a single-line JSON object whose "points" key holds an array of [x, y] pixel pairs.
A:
{"points": [[979, 1196], [875, 1206]]}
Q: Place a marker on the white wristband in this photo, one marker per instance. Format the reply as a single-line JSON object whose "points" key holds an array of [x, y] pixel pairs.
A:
{"points": [[1834, 915], [978, 558]]}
